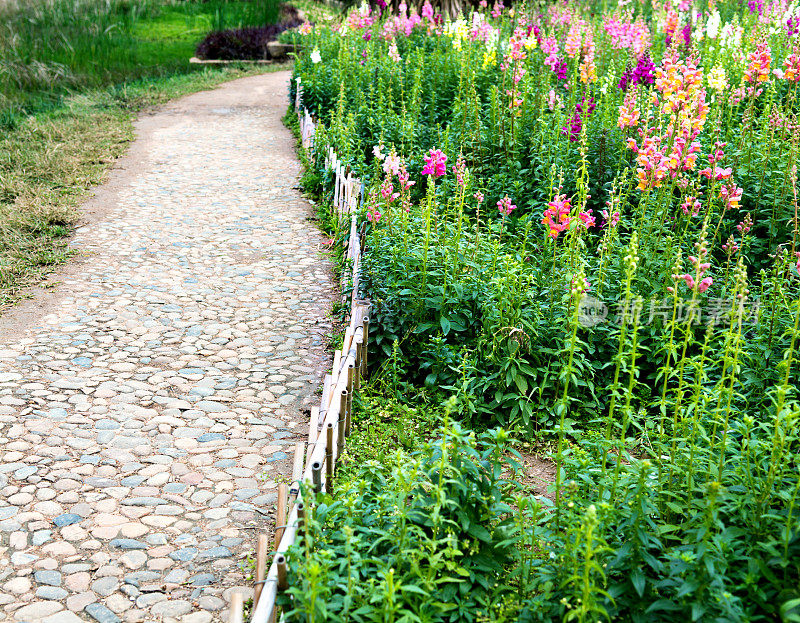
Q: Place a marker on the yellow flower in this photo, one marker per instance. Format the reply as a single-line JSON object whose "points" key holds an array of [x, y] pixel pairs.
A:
{"points": [[489, 59], [717, 79]]}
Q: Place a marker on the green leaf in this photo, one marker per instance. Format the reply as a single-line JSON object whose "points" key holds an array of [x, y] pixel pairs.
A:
{"points": [[639, 581], [479, 532], [445, 323]]}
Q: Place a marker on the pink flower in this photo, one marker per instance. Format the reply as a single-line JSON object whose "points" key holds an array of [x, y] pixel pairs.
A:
{"points": [[610, 220], [704, 284], [731, 194], [435, 163], [688, 279], [373, 216], [730, 247], [387, 190], [478, 197], [553, 100], [505, 206], [391, 165], [587, 218], [556, 216], [461, 170], [746, 224], [691, 206], [377, 152], [403, 176]]}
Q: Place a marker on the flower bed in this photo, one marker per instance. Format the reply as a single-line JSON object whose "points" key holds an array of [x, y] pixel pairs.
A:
{"points": [[582, 224]]}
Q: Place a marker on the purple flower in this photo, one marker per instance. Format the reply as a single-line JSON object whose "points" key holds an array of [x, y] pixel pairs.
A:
{"points": [[645, 71], [687, 35], [582, 110], [626, 78], [560, 69]]}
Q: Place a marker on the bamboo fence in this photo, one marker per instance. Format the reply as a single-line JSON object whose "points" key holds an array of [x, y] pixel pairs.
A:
{"points": [[329, 426]]}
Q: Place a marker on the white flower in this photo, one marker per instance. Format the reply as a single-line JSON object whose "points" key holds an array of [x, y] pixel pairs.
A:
{"points": [[316, 57], [713, 24]]}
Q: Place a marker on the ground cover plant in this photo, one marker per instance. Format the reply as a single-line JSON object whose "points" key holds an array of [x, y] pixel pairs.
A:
{"points": [[582, 225]]}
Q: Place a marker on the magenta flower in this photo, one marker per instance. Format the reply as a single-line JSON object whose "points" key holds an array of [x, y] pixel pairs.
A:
{"points": [[504, 206], [435, 163]]}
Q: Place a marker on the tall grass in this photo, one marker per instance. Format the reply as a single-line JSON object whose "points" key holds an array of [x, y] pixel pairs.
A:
{"points": [[51, 47]]}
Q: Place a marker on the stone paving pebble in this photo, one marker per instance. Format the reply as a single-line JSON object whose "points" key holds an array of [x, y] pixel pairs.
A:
{"points": [[147, 414]]}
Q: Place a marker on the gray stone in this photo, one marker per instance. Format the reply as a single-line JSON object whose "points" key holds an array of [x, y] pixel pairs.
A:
{"points": [[171, 608], [184, 554], [127, 544], [202, 579], [105, 586], [214, 553], [48, 576], [206, 437], [101, 614], [67, 519], [51, 592]]}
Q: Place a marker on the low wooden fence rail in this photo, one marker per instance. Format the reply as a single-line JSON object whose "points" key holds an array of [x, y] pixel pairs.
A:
{"points": [[329, 426]]}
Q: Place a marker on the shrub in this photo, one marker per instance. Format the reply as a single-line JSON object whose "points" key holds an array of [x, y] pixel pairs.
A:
{"points": [[246, 43]]}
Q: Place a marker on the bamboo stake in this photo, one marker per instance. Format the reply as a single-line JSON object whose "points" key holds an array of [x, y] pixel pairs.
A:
{"points": [[329, 458], [297, 470], [349, 409], [312, 429], [236, 612], [262, 548], [337, 361], [336, 190], [316, 475], [342, 420], [357, 367], [348, 340], [300, 510], [280, 559], [280, 518], [365, 336]]}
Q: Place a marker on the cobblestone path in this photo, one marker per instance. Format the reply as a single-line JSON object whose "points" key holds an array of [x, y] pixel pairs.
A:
{"points": [[148, 402]]}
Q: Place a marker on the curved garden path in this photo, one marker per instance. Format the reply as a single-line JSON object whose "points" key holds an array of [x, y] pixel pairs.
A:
{"points": [[148, 400]]}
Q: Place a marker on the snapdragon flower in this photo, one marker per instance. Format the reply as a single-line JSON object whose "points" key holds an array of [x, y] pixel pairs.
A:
{"points": [[435, 163]]}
